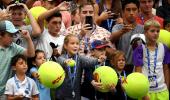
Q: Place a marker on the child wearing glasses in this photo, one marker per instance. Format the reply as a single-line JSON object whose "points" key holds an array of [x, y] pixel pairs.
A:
{"points": [[152, 60]]}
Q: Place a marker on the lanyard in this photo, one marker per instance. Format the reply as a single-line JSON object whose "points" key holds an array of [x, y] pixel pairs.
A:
{"points": [[142, 19], [155, 58], [18, 87], [72, 72], [109, 21], [124, 74], [109, 24]]}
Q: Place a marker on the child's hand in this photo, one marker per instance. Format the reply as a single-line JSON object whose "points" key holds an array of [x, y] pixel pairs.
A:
{"points": [[25, 34], [96, 85], [67, 61], [111, 87], [19, 97], [102, 59]]}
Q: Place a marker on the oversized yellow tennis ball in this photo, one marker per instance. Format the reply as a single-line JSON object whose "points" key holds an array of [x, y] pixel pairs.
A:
{"points": [[136, 85], [107, 76], [36, 12], [71, 63], [164, 37], [51, 74]]}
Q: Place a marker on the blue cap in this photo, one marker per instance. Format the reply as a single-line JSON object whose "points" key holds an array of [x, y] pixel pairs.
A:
{"points": [[97, 44], [7, 26]]}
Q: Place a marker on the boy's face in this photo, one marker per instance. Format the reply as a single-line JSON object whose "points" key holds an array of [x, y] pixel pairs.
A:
{"points": [[146, 5], [152, 34], [54, 25], [6, 39], [21, 66], [130, 12], [17, 17], [98, 52]]}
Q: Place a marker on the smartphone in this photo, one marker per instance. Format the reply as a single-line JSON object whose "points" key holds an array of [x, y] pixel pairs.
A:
{"points": [[89, 20]]}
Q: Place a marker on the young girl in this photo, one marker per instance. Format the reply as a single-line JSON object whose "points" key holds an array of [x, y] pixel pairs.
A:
{"points": [[70, 89], [21, 87], [152, 60], [118, 61], [37, 60]]}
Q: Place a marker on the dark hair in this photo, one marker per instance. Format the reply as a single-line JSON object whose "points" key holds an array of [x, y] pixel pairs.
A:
{"points": [[88, 2], [30, 60], [17, 7], [16, 58], [2, 33], [57, 14], [125, 2]]}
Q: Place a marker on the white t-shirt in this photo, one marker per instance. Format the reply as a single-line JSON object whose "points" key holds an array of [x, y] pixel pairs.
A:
{"points": [[27, 88], [159, 74], [44, 43]]}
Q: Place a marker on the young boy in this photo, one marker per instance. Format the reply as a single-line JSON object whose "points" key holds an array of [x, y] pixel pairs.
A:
{"points": [[8, 49], [98, 49], [152, 60], [21, 87]]}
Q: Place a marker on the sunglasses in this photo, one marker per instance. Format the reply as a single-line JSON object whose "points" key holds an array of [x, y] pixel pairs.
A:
{"points": [[152, 31]]}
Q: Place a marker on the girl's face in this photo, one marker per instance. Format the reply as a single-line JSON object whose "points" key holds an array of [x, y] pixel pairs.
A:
{"points": [[40, 59], [120, 63], [72, 46], [21, 66], [152, 34]]}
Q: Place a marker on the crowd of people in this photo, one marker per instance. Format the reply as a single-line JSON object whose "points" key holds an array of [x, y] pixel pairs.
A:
{"points": [[121, 34]]}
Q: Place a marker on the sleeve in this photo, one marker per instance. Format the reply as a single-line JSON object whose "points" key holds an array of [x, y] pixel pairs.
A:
{"points": [[137, 56], [88, 62], [34, 88], [167, 55], [28, 28], [9, 89], [117, 27], [17, 49], [33, 69]]}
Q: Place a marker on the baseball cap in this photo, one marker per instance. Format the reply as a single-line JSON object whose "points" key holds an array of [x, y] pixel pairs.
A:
{"points": [[137, 37], [7, 26], [97, 44]]}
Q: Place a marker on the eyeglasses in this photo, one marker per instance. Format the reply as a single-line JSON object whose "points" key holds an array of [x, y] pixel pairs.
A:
{"points": [[152, 31]]}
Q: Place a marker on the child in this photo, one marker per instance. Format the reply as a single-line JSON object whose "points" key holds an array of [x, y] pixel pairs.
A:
{"points": [[118, 62], [70, 89], [37, 60], [98, 49], [152, 60], [8, 49], [21, 87]]}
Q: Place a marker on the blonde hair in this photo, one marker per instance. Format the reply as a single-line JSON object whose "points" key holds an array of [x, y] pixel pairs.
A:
{"points": [[66, 41], [151, 22]]}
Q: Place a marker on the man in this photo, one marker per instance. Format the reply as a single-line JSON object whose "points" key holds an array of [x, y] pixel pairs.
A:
{"points": [[8, 49], [146, 12], [122, 33], [84, 31], [52, 33]]}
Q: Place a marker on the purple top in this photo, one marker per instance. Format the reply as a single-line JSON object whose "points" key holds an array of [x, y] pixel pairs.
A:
{"points": [[138, 56]]}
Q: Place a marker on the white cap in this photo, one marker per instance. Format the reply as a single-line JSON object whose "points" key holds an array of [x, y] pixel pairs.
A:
{"points": [[138, 36]]}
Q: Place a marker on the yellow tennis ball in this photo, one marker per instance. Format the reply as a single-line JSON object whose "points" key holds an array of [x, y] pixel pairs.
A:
{"points": [[36, 12], [51, 74], [136, 85], [164, 37], [71, 63], [107, 76]]}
